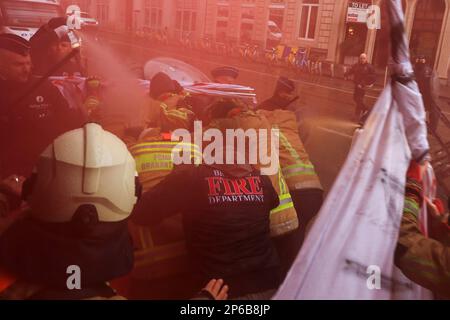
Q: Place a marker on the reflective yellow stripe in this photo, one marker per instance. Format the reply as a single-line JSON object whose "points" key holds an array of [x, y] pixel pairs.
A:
{"points": [[285, 142], [165, 144], [158, 156], [282, 183], [163, 150], [298, 169], [284, 196], [175, 113], [285, 203], [412, 207]]}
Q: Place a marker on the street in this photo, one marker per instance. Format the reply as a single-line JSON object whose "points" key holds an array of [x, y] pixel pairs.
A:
{"points": [[326, 105]]}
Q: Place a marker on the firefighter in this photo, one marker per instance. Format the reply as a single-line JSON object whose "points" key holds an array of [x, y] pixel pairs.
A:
{"points": [[424, 260], [226, 213], [225, 75], [302, 180], [30, 118], [228, 114], [167, 109], [53, 43], [161, 270], [83, 188]]}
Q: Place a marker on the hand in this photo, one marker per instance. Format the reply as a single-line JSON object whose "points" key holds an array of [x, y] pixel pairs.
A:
{"points": [[13, 184], [217, 289], [436, 210], [416, 171]]}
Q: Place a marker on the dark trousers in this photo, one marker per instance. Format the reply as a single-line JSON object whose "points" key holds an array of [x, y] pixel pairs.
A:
{"points": [[358, 97], [307, 204]]}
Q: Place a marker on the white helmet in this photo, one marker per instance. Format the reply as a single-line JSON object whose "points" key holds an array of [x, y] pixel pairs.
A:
{"points": [[87, 166]]}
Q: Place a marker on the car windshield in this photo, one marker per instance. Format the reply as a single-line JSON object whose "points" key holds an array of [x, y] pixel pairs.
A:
{"points": [[28, 14]]}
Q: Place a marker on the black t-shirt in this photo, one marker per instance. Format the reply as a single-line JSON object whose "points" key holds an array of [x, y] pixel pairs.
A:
{"points": [[29, 125], [363, 74], [226, 221]]}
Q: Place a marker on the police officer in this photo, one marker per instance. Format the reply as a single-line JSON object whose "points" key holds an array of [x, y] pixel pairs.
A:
{"points": [[52, 44], [30, 117]]}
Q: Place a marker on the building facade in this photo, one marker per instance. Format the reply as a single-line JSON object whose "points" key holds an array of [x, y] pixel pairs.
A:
{"points": [[335, 30]]}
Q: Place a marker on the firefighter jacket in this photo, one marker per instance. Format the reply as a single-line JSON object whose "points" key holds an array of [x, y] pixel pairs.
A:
{"points": [[226, 218], [425, 261], [296, 166], [160, 250], [284, 218], [168, 115]]}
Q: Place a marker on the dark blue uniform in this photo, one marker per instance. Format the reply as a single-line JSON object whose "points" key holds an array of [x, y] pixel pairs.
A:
{"points": [[28, 127]]}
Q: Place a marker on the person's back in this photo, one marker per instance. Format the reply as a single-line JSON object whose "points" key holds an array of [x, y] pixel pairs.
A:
{"points": [[226, 211]]}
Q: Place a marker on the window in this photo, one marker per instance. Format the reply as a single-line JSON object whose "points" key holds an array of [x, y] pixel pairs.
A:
{"points": [[153, 14], [186, 20], [223, 11], [221, 30], [153, 19], [248, 13], [178, 20], [308, 19], [248, 10], [193, 21], [277, 17], [147, 17]]}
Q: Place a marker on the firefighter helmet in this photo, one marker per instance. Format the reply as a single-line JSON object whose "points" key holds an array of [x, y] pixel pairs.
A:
{"points": [[84, 167]]}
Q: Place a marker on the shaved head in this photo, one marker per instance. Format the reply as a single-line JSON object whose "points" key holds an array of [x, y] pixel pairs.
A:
{"points": [[363, 58]]}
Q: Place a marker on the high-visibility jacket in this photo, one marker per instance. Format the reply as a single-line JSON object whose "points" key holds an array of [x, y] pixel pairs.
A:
{"points": [[160, 250], [283, 219], [167, 117], [296, 166], [425, 261]]}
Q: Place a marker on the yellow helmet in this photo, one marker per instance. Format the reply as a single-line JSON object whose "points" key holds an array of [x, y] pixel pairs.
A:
{"points": [[84, 167]]}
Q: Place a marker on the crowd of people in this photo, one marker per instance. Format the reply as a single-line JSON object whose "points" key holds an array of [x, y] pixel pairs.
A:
{"points": [[140, 227]]}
